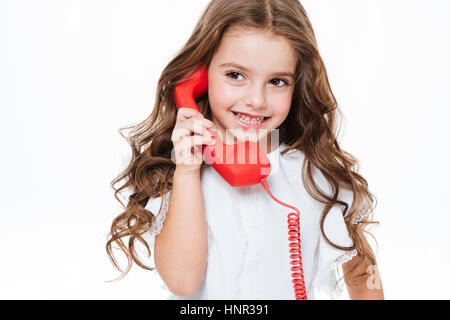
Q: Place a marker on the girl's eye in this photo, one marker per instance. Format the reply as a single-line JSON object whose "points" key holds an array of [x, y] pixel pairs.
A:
{"points": [[286, 83], [233, 73]]}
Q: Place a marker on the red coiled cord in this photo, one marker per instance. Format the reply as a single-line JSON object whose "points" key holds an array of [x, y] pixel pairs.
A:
{"points": [[295, 247]]}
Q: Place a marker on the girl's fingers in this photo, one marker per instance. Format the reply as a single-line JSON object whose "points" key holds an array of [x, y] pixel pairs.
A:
{"points": [[190, 141], [199, 127], [179, 133], [191, 131], [187, 113], [193, 127], [189, 149]]}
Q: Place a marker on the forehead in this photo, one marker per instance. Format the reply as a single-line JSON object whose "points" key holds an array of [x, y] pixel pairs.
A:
{"points": [[258, 50]]}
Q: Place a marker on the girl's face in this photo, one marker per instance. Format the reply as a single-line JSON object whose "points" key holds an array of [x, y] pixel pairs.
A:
{"points": [[251, 74]]}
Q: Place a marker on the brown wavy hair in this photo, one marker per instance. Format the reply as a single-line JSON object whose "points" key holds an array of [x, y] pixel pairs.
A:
{"points": [[310, 127]]}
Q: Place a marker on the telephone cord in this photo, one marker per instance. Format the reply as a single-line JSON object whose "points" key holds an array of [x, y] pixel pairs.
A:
{"points": [[295, 247]]}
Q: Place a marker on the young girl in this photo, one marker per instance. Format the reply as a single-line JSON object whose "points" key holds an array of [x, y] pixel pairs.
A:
{"points": [[214, 241]]}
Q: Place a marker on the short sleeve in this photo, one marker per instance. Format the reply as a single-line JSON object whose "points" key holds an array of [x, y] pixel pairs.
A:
{"points": [[330, 259], [347, 196]]}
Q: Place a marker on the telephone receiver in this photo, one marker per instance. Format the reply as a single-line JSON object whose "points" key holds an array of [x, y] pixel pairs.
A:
{"points": [[241, 164]]}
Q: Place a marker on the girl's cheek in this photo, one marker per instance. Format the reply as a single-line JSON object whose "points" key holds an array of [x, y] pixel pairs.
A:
{"points": [[281, 106], [223, 95]]}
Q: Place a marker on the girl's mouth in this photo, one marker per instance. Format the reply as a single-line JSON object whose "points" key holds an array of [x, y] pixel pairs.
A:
{"points": [[249, 122]]}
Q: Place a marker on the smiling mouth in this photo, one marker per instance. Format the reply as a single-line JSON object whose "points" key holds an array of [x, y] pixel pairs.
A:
{"points": [[248, 122], [249, 119]]}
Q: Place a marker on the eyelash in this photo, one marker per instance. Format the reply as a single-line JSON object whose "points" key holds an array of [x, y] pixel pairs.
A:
{"points": [[287, 83]]}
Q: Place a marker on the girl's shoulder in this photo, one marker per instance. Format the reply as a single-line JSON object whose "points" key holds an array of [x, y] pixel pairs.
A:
{"points": [[294, 150], [286, 152], [289, 159]]}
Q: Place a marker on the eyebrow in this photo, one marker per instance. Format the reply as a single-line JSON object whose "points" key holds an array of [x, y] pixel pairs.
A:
{"points": [[235, 65]]}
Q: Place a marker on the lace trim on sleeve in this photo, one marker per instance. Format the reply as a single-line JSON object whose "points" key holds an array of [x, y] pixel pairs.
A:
{"points": [[157, 224], [328, 274], [361, 215]]}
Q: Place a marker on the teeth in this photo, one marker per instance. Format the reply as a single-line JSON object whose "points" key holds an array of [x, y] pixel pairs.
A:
{"points": [[249, 120]]}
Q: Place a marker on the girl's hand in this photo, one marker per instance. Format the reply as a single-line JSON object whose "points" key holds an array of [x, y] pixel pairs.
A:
{"points": [[191, 131]]}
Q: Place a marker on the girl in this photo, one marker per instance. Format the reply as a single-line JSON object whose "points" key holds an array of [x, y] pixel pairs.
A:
{"points": [[214, 241]]}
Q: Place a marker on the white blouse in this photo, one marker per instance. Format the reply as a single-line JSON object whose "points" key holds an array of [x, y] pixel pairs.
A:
{"points": [[248, 246]]}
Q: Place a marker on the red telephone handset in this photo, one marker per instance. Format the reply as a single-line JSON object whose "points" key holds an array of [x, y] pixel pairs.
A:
{"points": [[248, 170]]}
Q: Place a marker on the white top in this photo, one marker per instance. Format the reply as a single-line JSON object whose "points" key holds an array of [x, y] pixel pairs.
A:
{"points": [[248, 246]]}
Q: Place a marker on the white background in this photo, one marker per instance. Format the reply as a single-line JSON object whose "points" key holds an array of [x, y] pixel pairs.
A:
{"points": [[73, 72]]}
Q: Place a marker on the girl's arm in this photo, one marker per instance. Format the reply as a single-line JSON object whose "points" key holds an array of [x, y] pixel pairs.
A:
{"points": [[181, 247], [370, 288]]}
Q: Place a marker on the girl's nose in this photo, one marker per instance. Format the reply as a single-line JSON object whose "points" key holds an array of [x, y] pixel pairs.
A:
{"points": [[255, 96]]}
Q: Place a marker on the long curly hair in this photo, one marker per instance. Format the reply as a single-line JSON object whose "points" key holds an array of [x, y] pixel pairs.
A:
{"points": [[310, 126]]}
